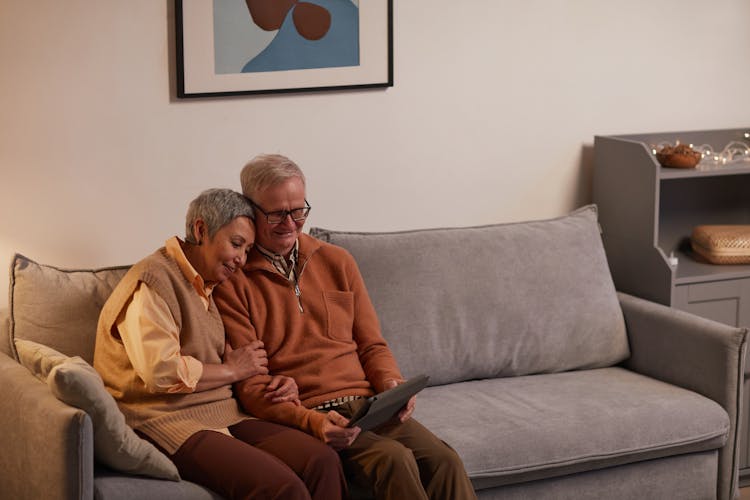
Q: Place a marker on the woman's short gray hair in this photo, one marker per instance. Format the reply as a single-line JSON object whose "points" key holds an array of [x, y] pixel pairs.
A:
{"points": [[216, 207], [267, 170]]}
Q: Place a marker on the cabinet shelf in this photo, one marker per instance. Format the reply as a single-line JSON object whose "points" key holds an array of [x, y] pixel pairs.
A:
{"points": [[647, 211], [689, 270], [740, 168]]}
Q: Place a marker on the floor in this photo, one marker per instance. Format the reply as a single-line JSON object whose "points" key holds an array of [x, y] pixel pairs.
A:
{"points": [[745, 493]]}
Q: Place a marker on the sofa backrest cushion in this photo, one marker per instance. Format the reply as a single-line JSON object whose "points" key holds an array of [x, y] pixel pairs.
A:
{"points": [[57, 307], [492, 301]]}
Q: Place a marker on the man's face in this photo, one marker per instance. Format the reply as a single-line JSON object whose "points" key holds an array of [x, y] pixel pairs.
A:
{"points": [[287, 195]]}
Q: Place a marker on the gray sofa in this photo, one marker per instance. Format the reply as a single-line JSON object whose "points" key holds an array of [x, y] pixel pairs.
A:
{"points": [[545, 380]]}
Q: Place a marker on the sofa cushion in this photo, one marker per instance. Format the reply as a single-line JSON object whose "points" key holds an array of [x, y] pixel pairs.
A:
{"points": [[111, 485], [37, 358], [564, 423], [492, 301], [57, 307], [76, 383]]}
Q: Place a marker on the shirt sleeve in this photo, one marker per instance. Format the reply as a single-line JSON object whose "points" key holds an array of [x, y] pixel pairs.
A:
{"points": [[152, 343]]}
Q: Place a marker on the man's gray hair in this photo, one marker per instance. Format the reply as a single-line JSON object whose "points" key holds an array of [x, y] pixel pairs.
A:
{"points": [[217, 207], [267, 170]]}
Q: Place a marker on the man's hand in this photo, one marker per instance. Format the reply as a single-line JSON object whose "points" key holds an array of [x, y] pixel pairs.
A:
{"points": [[336, 434], [282, 389], [246, 361], [405, 413]]}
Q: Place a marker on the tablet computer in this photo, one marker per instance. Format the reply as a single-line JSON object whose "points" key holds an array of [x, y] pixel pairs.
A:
{"points": [[380, 408]]}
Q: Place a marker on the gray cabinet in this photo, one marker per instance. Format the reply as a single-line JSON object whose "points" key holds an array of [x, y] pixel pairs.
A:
{"points": [[647, 213], [725, 301]]}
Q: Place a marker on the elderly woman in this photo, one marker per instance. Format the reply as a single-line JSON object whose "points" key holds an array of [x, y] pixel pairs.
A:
{"points": [[161, 351]]}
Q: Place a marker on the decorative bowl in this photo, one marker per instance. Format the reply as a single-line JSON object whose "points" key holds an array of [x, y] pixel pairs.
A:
{"points": [[679, 156]]}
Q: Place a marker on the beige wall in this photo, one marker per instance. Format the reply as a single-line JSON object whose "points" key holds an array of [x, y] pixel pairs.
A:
{"points": [[494, 105]]}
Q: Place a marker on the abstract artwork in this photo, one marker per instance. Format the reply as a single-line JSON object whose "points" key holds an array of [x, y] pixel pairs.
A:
{"points": [[230, 47]]}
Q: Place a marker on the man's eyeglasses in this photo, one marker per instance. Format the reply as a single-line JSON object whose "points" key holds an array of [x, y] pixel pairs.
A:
{"points": [[279, 216]]}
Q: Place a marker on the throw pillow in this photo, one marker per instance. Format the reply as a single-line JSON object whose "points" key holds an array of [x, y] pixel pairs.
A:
{"points": [[75, 382], [37, 358]]}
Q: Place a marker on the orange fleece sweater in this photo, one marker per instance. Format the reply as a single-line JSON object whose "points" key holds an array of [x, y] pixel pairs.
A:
{"points": [[327, 337]]}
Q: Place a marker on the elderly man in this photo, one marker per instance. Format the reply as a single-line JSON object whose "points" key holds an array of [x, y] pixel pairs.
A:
{"points": [[307, 302]]}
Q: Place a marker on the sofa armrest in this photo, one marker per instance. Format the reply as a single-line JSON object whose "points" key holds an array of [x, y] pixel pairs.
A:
{"points": [[48, 445], [694, 353], [5, 332]]}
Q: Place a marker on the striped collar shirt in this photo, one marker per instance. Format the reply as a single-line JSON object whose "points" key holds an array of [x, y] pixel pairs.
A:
{"points": [[286, 268]]}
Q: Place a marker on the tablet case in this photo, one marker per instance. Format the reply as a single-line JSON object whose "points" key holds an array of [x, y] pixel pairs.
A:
{"points": [[380, 408]]}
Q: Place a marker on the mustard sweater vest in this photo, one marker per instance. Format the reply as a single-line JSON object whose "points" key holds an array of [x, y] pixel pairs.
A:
{"points": [[169, 419]]}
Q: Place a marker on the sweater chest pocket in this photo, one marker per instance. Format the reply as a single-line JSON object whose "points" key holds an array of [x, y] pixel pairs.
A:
{"points": [[339, 314]]}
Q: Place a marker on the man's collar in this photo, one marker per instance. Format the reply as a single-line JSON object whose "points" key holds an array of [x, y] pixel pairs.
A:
{"points": [[271, 255], [306, 245]]}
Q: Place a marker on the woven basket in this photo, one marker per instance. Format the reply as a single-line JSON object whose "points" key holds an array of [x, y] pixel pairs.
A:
{"points": [[722, 244]]}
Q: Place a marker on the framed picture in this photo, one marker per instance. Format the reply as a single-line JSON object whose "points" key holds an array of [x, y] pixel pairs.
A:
{"points": [[236, 47]]}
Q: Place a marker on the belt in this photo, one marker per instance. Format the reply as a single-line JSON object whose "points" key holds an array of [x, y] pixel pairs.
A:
{"points": [[333, 403]]}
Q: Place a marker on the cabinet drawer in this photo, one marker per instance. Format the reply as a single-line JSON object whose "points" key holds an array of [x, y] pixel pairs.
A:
{"points": [[726, 301]]}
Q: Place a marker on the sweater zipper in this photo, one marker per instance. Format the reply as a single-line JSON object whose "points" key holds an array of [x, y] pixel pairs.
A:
{"points": [[297, 290], [298, 293]]}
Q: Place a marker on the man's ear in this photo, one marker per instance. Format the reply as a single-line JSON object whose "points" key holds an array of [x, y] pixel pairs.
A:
{"points": [[200, 231]]}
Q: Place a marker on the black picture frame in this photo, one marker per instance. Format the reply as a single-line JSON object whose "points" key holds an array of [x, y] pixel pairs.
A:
{"points": [[197, 75]]}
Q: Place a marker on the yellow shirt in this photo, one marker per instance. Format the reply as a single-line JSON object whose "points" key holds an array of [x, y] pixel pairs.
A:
{"points": [[151, 337]]}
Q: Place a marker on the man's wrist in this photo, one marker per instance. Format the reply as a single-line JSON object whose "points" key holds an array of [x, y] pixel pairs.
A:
{"points": [[390, 383], [317, 421]]}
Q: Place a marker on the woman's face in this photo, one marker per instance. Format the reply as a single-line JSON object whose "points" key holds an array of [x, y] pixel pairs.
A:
{"points": [[226, 252]]}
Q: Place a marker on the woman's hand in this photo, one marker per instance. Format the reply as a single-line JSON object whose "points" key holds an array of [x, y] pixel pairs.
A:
{"points": [[246, 361], [335, 432], [237, 364], [281, 389], [405, 413]]}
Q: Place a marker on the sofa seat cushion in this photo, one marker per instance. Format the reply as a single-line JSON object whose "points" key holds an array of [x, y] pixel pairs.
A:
{"points": [[493, 301], [556, 424], [113, 485]]}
